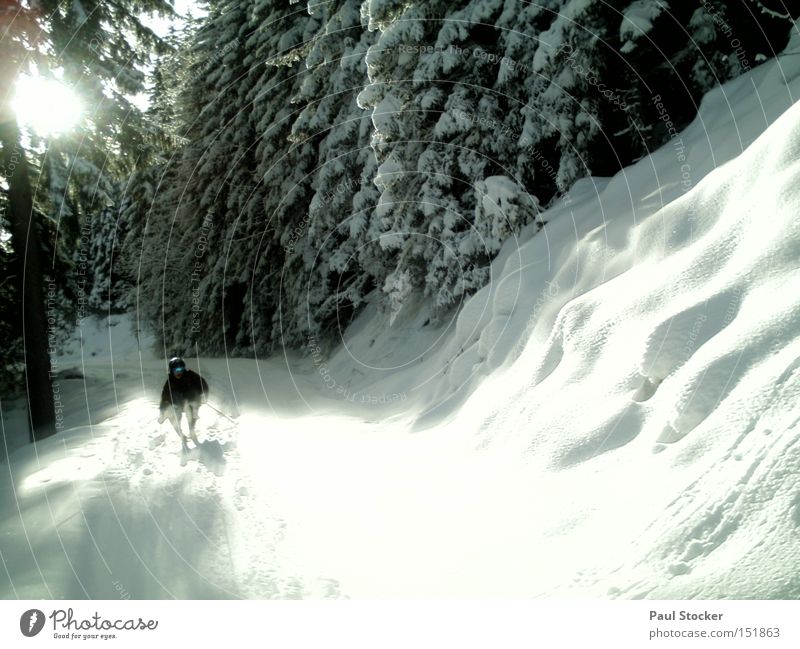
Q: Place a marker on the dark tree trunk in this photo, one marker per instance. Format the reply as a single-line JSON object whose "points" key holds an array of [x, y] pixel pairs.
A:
{"points": [[25, 243]]}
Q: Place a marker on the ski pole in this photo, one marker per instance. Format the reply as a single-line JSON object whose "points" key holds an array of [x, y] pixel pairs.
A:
{"points": [[220, 412]]}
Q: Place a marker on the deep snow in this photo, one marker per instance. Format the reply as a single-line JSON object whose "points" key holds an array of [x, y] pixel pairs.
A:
{"points": [[614, 415]]}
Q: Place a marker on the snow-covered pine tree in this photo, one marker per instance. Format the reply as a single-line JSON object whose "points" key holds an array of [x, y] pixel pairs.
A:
{"points": [[571, 91], [445, 135], [172, 234], [265, 241], [100, 49], [479, 111], [329, 248], [238, 184], [677, 51], [108, 293]]}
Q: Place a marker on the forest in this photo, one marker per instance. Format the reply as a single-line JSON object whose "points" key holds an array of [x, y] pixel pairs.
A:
{"points": [[249, 180]]}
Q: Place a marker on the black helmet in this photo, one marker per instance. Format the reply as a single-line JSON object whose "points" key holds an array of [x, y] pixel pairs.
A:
{"points": [[176, 366]]}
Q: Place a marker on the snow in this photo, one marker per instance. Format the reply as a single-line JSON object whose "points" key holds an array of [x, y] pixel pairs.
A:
{"points": [[613, 415], [637, 21], [115, 335], [497, 195], [385, 112]]}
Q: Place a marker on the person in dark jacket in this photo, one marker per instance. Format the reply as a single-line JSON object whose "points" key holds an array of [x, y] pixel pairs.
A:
{"points": [[184, 391]]}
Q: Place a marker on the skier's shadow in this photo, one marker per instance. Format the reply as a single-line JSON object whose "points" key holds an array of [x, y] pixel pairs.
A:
{"points": [[210, 453]]}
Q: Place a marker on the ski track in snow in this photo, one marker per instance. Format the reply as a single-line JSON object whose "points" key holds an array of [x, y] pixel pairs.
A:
{"points": [[217, 508]]}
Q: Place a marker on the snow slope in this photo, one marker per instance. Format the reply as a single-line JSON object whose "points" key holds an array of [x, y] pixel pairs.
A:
{"points": [[614, 415]]}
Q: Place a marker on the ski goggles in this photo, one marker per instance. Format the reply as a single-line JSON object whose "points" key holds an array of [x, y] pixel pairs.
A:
{"points": [[179, 370]]}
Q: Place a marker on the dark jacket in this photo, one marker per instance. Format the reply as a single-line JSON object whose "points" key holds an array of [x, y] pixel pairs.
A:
{"points": [[190, 387]]}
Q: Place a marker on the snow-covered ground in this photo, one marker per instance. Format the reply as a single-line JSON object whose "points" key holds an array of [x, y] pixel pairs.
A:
{"points": [[614, 415]]}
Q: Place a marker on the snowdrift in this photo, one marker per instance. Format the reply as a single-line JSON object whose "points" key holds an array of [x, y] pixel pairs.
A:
{"points": [[614, 415]]}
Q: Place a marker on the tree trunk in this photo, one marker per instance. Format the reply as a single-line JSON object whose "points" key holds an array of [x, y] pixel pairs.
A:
{"points": [[25, 243]]}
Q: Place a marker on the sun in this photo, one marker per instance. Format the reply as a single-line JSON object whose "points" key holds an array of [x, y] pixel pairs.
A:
{"points": [[47, 106]]}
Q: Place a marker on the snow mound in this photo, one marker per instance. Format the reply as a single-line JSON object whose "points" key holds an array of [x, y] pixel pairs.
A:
{"points": [[687, 344]]}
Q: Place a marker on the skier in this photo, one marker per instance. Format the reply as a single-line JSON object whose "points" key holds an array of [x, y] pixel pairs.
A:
{"points": [[184, 391]]}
